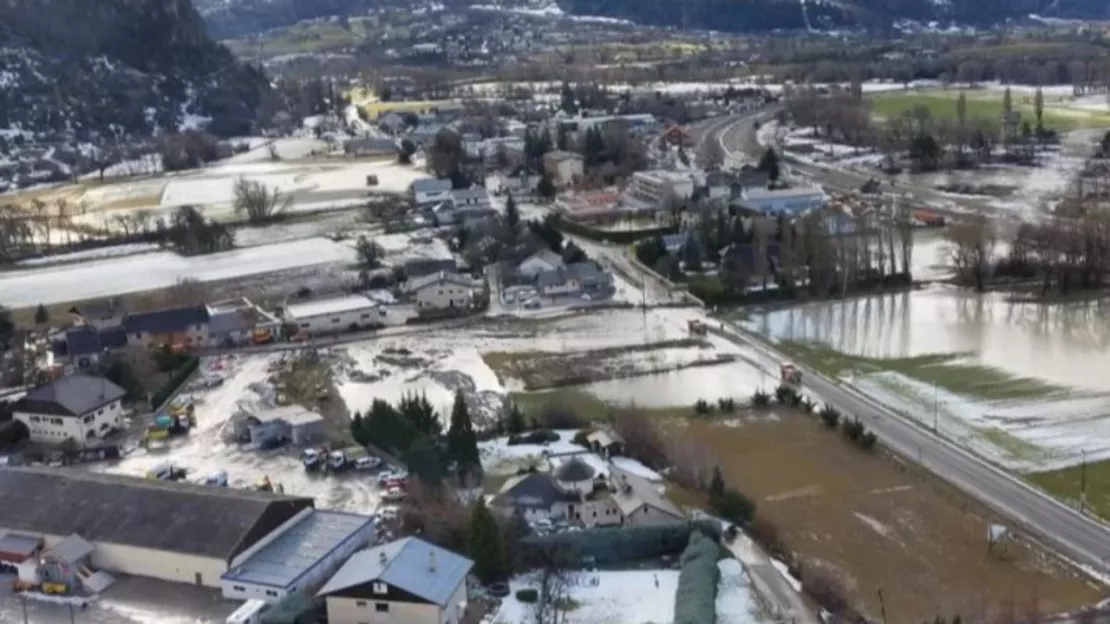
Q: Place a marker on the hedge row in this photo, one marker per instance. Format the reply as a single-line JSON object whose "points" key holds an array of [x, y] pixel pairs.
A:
{"points": [[695, 600], [622, 237], [179, 376]]}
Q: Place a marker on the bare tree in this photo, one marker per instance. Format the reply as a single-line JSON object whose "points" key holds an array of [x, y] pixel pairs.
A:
{"points": [[186, 292], [971, 245], [259, 202]]}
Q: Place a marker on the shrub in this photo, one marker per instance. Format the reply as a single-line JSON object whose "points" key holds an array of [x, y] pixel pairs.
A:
{"points": [[824, 589], [538, 436], [175, 381], [830, 416], [761, 399], [786, 395], [528, 595], [867, 440], [852, 429], [767, 534], [702, 407], [727, 405], [808, 405]]}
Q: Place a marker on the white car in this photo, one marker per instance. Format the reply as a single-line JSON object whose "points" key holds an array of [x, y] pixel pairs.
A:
{"points": [[394, 494], [367, 463]]}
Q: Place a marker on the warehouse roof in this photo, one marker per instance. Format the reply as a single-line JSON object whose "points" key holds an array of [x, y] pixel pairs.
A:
{"points": [[282, 562], [410, 564], [323, 307], [160, 515]]}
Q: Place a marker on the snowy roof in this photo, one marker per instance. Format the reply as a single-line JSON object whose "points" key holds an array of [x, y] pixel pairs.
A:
{"points": [[323, 307], [410, 564], [72, 549], [605, 437], [292, 415], [431, 185], [285, 560], [640, 492], [531, 491], [424, 281]]}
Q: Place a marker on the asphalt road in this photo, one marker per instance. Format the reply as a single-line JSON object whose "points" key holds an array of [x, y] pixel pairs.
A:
{"points": [[1082, 539]]}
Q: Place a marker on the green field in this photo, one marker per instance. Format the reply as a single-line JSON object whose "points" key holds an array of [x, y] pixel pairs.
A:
{"points": [[1066, 485], [981, 105]]}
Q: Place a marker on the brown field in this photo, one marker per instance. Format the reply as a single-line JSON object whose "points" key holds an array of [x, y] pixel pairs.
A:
{"points": [[881, 525]]}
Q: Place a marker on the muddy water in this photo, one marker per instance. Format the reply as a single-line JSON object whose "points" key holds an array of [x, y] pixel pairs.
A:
{"points": [[1064, 344]]}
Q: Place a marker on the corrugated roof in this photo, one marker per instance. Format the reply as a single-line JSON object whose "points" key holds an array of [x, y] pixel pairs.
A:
{"points": [[407, 564], [283, 561], [161, 515], [337, 305], [71, 396]]}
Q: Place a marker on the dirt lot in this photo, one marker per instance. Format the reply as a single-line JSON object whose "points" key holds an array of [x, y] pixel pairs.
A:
{"points": [[880, 525], [544, 370]]}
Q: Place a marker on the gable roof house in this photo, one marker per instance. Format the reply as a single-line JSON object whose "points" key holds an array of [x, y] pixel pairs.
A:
{"points": [[186, 326], [539, 262], [580, 277], [409, 580], [83, 346], [429, 191], [81, 408], [640, 501]]}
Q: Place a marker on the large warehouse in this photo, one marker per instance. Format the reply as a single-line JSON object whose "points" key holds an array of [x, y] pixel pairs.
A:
{"points": [[340, 314], [177, 532]]}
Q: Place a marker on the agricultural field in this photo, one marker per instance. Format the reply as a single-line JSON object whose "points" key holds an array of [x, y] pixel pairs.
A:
{"points": [[880, 525], [986, 104]]}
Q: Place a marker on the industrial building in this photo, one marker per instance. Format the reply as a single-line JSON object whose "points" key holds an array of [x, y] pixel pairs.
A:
{"points": [[172, 531], [338, 314], [299, 556], [409, 581], [264, 427], [792, 201]]}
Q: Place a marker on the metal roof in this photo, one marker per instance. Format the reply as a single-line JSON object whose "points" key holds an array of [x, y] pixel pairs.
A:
{"points": [[410, 564], [72, 549], [282, 562], [532, 491], [146, 513], [640, 492], [166, 321], [323, 307], [19, 545], [71, 396], [292, 415]]}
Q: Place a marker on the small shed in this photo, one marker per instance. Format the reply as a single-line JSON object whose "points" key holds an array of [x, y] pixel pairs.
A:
{"points": [[606, 442], [266, 427], [16, 548]]}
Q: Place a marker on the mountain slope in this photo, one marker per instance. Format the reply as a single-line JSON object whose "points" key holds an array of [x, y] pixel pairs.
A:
{"points": [[125, 66]]}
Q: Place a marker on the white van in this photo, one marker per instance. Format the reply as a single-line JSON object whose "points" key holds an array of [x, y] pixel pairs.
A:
{"points": [[250, 612]]}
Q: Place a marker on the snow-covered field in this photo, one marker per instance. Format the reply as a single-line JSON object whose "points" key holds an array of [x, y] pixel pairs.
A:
{"points": [[89, 254], [204, 449], [499, 457], [116, 276], [636, 597]]}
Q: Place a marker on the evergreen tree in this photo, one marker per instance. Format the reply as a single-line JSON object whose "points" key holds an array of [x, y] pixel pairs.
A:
{"points": [[41, 315], [1038, 110], [593, 150], [421, 415], [462, 442], [512, 213], [7, 328], [691, 256], [485, 545], [545, 187], [717, 484], [566, 100], [562, 139], [515, 422], [770, 163]]}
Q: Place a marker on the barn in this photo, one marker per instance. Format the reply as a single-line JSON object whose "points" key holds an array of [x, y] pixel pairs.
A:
{"points": [[178, 532]]}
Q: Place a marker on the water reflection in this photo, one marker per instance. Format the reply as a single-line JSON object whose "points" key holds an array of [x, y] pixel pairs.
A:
{"points": [[1064, 343]]}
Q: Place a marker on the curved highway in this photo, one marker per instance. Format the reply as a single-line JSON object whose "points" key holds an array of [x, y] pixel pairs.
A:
{"points": [[1080, 538]]}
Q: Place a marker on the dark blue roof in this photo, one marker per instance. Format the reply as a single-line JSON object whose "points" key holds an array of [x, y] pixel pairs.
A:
{"points": [[83, 340], [113, 338], [166, 321]]}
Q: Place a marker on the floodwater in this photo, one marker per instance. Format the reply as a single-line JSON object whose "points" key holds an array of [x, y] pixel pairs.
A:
{"points": [[1064, 343], [683, 387]]}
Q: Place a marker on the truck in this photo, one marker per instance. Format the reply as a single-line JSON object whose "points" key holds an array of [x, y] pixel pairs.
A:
{"points": [[345, 458], [313, 458], [790, 374]]}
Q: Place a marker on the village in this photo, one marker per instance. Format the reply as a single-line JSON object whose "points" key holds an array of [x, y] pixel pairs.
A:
{"points": [[396, 362]]}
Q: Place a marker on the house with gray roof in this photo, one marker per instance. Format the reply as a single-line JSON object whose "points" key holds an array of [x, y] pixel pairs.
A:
{"points": [[430, 191], [641, 502], [574, 279], [173, 531], [409, 580], [82, 408]]}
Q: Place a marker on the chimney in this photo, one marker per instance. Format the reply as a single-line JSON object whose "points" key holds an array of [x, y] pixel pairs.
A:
{"points": [[382, 558], [431, 561]]}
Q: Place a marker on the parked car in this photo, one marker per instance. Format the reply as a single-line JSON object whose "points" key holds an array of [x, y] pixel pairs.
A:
{"points": [[394, 494]]}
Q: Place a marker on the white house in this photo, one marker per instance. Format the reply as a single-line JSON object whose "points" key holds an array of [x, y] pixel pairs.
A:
{"points": [[568, 494], [441, 291], [565, 168], [790, 201], [429, 191], [405, 582], [658, 187], [339, 314], [540, 262], [78, 407]]}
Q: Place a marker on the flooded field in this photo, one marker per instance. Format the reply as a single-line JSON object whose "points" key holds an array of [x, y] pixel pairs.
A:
{"points": [[1022, 383]]}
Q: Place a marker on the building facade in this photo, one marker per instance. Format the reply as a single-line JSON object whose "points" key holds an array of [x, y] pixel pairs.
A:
{"points": [[442, 291], [791, 201], [340, 314], [81, 408], [660, 187]]}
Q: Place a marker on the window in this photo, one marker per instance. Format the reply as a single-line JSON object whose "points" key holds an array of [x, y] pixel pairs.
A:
{"points": [[360, 603], [380, 588], [239, 588], [381, 607], [304, 325], [270, 592], [335, 320]]}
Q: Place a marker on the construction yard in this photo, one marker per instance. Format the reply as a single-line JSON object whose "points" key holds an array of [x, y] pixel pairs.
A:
{"points": [[904, 546]]}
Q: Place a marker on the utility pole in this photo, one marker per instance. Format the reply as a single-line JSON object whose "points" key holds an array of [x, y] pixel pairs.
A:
{"points": [[1083, 481], [936, 407], [882, 604]]}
